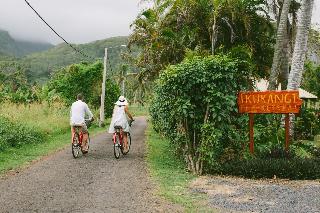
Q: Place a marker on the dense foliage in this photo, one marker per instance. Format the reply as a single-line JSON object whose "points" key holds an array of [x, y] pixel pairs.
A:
{"points": [[311, 78], [86, 79], [166, 31], [307, 124], [15, 88], [295, 168], [195, 107], [15, 135]]}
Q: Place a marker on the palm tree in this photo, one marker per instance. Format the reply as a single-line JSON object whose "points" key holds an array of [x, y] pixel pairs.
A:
{"points": [[280, 43], [300, 49], [300, 46]]}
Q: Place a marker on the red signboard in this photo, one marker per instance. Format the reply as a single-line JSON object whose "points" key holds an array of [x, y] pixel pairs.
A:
{"points": [[283, 102], [269, 102]]}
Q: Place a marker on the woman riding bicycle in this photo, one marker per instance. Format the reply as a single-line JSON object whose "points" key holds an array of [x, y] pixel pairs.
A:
{"points": [[119, 118]]}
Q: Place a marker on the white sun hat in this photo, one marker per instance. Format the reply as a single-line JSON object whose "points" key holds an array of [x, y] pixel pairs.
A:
{"points": [[122, 101]]}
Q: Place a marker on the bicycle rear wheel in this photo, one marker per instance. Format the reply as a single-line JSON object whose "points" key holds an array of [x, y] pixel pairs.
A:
{"points": [[116, 147], [75, 146], [88, 142], [129, 144]]}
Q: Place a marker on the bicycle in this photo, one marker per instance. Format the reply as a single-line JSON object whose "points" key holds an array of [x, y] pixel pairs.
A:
{"points": [[77, 139], [118, 141]]}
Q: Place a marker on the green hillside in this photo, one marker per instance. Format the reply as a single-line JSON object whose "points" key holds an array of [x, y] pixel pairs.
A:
{"points": [[41, 64], [12, 47]]}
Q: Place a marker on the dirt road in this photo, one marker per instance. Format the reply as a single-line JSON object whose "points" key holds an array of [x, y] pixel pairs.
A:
{"points": [[93, 183]]}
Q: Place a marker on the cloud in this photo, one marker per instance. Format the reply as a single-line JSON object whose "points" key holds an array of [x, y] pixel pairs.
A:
{"points": [[78, 21]]}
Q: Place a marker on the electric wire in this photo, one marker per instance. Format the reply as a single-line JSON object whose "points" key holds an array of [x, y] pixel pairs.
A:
{"points": [[73, 47]]}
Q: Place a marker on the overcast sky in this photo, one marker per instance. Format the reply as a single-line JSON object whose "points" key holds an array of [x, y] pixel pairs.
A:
{"points": [[78, 21]]}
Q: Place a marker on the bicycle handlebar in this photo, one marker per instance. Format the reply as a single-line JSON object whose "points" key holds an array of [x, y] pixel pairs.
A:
{"points": [[130, 122]]}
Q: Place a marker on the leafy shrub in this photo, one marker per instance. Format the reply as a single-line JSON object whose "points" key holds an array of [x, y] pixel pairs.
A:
{"points": [[195, 106], [15, 135], [15, 88], [82, 78], [307, 124], [291, 168]]}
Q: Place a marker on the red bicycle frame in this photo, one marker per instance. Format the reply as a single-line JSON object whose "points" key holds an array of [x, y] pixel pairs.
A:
{"points": [[80, 134], [120, 137]]}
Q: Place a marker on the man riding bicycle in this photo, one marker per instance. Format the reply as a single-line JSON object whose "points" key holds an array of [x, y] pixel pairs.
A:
{"points": [[79, 110], [119, 118]]}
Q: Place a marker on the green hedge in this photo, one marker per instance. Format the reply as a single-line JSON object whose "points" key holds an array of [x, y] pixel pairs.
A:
{"points": [[295, 168], [15, 135]]}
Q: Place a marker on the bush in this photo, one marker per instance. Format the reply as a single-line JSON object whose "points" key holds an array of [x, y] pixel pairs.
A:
{"points": [[307, 124], [195, 106], [82, 78], [15, 135], [15, 88], [292, 168]]}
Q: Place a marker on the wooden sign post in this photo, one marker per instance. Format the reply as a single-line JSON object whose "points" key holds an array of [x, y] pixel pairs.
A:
{"points": [[269, 102]]}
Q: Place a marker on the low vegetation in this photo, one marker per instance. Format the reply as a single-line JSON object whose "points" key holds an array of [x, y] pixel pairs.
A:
{"points": [[28, 132], [170, 174]]}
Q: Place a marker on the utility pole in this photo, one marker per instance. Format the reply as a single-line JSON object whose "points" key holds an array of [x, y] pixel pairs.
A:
{"points": [[124, 73], [103, 92]]}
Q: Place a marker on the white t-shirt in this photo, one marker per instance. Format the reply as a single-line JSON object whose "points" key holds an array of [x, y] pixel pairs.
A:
{"points": [[79, 110]]}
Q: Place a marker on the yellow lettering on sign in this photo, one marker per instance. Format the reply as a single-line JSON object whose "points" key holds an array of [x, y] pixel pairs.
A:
{"points": [[262, 97], [277, 98], [294, 98], [270, 100], [247, 98], [286, 100]]}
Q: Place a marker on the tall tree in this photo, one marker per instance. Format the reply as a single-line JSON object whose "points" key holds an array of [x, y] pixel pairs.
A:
{"points": [[168, 30], [300, 47], [280, 43]]}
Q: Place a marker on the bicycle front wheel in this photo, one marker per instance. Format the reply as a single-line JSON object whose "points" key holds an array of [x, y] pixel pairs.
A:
{"points": [[75, 146], [116, 147]]}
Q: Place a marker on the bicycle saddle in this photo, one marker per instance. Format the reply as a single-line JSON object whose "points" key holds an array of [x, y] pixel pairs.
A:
{"points": [[118, 127]]}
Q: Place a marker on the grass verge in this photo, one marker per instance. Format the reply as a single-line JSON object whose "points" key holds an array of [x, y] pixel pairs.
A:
{"points": [[138, 110], [170, 175], [16, 158]]}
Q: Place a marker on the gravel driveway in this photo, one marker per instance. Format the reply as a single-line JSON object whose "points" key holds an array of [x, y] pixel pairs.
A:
{"points": [[93, 183], [245, 195]]}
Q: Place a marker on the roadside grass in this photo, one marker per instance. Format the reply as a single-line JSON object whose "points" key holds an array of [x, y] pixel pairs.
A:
{"points": [[138, 110], [17, 158], [170, 174], [53, 121]]}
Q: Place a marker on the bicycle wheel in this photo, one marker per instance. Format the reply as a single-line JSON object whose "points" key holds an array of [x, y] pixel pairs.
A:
{"points": [[88, 142], [116, 147], [75, 146], [129, 144]]}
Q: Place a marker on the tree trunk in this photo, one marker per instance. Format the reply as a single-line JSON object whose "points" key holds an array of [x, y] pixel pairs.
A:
{"points": [[300, 47], [281, 33], [284, 67], [214, 35]]}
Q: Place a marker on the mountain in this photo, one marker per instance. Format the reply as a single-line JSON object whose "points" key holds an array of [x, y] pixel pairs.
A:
{"points": [[41, 65], [11, 47]]}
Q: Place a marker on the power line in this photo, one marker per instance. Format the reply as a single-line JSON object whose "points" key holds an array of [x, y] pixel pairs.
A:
{"points": [[73, 47]]}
